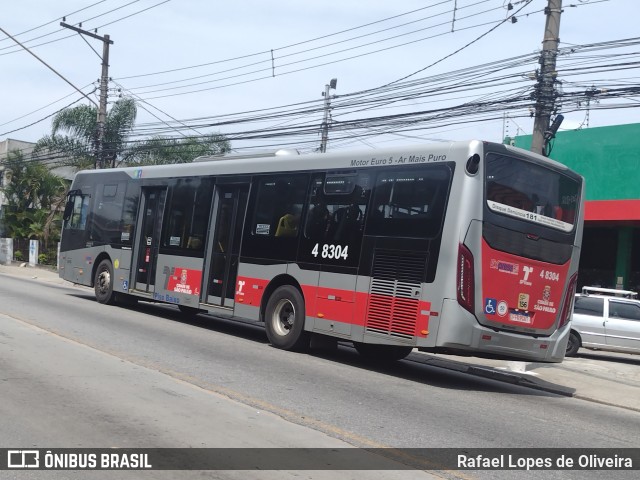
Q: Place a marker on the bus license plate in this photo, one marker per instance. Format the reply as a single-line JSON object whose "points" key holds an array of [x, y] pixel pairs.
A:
{"points": [[520, 317]]}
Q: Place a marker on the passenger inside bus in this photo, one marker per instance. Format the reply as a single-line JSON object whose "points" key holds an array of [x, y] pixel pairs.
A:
{"points": [[194, 243], [346, 221], [509, 196], [318, 221], [287, 226], [540, 207]]}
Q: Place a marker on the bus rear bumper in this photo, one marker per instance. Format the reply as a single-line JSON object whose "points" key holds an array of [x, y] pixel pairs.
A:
{"points": [[468, 337]]}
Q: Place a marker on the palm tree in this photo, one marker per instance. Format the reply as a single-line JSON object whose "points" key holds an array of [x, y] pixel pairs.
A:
{"points": [[162, 151], [73, 140]]}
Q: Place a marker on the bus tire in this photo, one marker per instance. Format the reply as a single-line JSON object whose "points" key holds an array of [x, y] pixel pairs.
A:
{"points": [[382, 353], [103, 283], [284, 319], [572, 345]]}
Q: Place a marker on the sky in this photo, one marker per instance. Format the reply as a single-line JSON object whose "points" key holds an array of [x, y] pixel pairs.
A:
{"points": [[250, 55]]}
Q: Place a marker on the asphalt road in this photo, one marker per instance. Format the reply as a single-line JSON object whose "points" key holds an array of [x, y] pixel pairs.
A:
{"points": [[177, 372]]}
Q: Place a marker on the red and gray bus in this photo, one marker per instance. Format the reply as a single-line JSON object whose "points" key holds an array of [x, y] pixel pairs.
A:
{"points": [[469, 248]]}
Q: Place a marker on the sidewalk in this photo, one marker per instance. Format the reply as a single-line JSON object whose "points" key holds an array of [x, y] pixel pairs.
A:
{"points": [[602, 377], [44, 273]]}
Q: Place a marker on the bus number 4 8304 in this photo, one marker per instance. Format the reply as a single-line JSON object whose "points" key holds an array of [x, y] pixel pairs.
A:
{"points": [[331, 251]]}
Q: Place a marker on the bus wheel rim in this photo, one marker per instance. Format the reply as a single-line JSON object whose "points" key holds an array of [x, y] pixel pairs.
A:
{"points": [[104, 281], [283, 317]]}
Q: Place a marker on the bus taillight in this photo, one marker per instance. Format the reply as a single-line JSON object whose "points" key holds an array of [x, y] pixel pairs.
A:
{"points": [[465, 280], [568, 301]]}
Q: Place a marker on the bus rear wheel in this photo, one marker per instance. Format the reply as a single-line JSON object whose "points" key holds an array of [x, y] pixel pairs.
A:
{"points": [[284, 319], [382, 353], [103, 283]]}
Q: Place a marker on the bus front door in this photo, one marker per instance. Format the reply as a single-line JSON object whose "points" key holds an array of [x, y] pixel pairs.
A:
{"points": [[149, 229], [230, 204]]}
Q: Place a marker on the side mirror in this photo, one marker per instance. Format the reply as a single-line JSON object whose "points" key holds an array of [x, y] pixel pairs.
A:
{"points": [[68, 209], [473, 164]]}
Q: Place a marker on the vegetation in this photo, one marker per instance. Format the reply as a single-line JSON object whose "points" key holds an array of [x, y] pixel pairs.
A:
{"points": [[73, 140], [34, 196], [74, 134], [162, 151]]}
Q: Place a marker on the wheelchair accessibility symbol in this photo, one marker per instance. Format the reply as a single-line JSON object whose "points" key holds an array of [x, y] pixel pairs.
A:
{"points": [[490, 306]]}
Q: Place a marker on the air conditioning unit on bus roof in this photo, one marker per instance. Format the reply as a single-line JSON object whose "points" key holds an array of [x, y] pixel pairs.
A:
{"points": [[236, 156]]}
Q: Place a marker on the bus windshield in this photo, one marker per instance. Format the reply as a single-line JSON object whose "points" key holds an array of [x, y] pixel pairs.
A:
{"points": [[530, 192]]}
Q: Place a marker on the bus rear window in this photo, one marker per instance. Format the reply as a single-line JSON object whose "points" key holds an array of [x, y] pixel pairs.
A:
{"points": [[530, 192]]}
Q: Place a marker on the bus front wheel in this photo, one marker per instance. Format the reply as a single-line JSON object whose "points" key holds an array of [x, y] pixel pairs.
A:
{"points": [[284, 319], [103, 283], [382, 353]]}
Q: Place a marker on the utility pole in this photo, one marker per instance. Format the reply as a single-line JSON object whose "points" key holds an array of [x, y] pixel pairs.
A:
{"points": [[545, 90], [104, 89], [327, 107]]}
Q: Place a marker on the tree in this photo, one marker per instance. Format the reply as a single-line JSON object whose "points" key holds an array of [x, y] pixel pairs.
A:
{"points": [[162, 151], [34, 196], [73, 140]]}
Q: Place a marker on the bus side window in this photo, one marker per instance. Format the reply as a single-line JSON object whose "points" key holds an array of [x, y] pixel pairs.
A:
{"points": [[187, 215], [337, 217], [106, 219], [78, 216], [279, 206], [129, 213], [410, 203]]}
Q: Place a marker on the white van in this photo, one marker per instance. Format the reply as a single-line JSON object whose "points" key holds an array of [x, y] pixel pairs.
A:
{"points": [[605, 319]]}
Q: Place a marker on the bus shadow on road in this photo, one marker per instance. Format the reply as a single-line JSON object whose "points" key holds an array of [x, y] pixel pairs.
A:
{"points": [[430, 370], [165, 312], [421, 368]]}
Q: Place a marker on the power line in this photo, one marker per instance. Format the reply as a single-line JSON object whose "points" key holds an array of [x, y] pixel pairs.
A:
{"points": [[47, 65], [41, 120], [463, 47], [267, 70], [55, 20], [406, 13], [514, 96], [95, 28], [263, 52], [45, 106]]}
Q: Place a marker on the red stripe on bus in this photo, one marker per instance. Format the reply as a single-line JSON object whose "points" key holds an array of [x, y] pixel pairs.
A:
{"points": [[347, 306], [249, 291]]}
